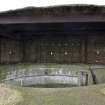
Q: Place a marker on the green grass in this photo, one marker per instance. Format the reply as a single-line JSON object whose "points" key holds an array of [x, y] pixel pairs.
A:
{"points": [[9, 96], [90, 95], [100, 75]]}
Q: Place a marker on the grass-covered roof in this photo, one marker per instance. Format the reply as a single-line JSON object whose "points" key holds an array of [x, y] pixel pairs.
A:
{"points": [[57, 11]]}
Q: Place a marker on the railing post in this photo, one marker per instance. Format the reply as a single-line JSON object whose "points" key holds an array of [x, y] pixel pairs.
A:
{"points": [[83, 78], [21, 82]]}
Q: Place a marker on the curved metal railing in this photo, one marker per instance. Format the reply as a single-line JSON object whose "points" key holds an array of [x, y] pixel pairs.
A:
{"points": [[81, 79]]}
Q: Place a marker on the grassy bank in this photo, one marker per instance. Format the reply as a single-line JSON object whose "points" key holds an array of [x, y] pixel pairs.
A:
{"points": [[90, 95]]}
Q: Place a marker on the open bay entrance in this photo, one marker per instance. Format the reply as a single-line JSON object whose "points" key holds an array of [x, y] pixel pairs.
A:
{"points": [[60, 43], [52, 43], [54, 49], [60, 49]]}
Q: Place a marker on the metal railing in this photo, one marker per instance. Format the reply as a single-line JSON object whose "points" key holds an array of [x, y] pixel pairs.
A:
{"points": [[82, 78]]}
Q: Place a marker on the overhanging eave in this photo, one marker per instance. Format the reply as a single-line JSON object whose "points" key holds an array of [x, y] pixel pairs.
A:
{"points": [[48, 19]]}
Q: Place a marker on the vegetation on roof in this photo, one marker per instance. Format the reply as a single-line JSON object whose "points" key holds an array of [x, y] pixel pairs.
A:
{"points": [[56, 10]]}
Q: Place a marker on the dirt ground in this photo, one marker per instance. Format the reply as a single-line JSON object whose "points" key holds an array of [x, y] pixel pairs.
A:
{"points": [[9, 96]]}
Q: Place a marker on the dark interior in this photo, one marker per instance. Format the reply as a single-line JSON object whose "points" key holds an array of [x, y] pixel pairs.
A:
{"points": [[74, 42]]}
